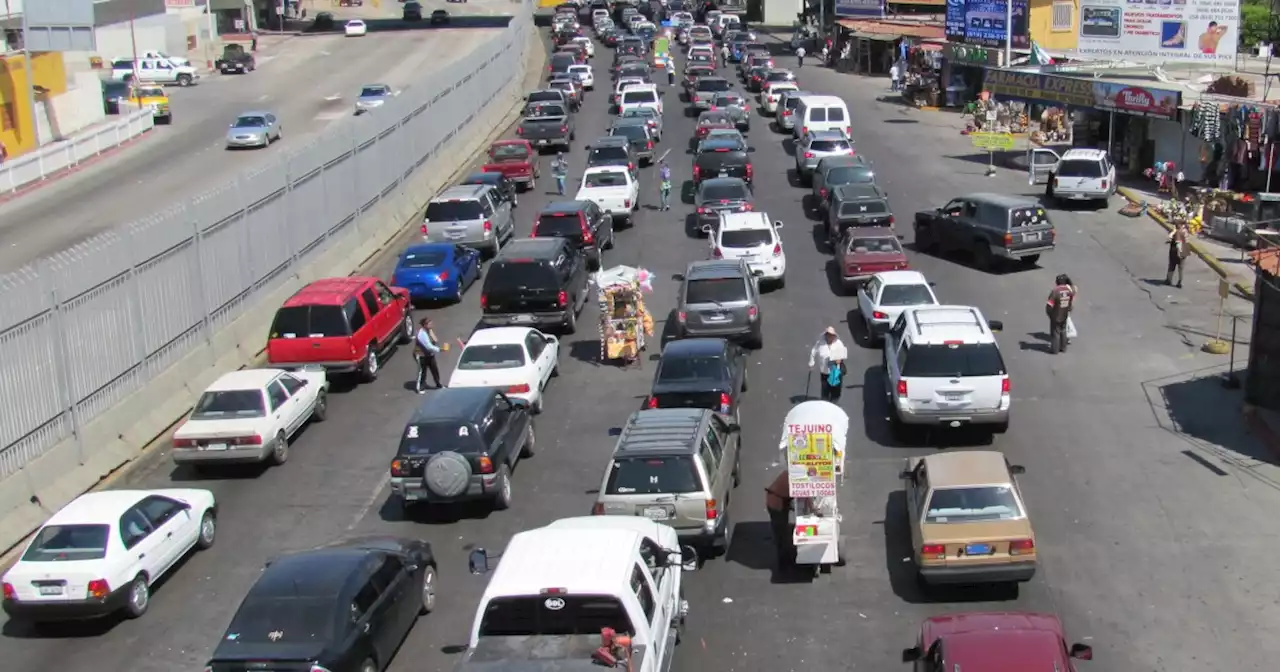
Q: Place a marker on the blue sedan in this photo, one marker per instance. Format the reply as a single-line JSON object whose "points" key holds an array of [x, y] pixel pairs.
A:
{"points": [[437, 271]]}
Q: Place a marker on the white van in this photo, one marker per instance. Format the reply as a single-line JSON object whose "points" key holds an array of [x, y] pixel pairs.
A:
{"points": [[723, 22], [821, 113]]}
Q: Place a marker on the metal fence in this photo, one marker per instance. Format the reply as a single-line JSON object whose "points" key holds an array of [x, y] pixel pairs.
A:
{"points": [[59, 156], [84, 328]]}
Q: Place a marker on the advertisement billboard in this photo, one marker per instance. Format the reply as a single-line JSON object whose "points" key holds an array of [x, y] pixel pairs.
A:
{"points": [[982, 22], [1159, 30], [860, 8]]}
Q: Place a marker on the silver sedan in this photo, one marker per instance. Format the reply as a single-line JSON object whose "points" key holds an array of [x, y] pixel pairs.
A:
{"points": [[254, 129]]}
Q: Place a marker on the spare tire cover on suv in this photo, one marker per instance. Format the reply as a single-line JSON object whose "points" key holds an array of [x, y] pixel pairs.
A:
{"points": [[448, 474]]}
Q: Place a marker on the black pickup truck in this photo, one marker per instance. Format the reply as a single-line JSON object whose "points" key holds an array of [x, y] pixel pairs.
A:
{"points": [[547, 125], [235, 58]]}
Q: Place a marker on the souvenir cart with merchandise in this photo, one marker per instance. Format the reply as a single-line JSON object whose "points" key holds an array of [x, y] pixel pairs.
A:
{"points": [[625, 323]]}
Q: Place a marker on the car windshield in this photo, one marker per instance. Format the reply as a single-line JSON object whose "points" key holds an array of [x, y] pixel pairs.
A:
{"points": [[258, 621], [454, 211], [712, 85], [559, 224], [223, 404], [716, 290], [373, 91], [906, 295], [973, 505], [780, 77], [544, 96], [250, 122], [722, 144], [687, 369], [630, 132], [1086, 168], [829, 146], [424, 259], [498, 356], [150, 92], [437, 437], [601, 154], [544, 109], [954, 360], [746, 238], [60, 543], [856, 208], [517, 276], [653, 475], [310, 321], [558, 616], [724, 192], [605, 179], [878, 245], [849, 175], [640, 113], [639, 97]]}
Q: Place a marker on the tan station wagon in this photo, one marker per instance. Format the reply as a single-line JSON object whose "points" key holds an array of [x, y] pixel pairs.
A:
{"points": [[969, 524]]}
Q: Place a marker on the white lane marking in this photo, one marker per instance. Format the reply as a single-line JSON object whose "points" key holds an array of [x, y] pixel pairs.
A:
{"points": [[263, 97], [372, 499], [333, 97], [330, 116]]}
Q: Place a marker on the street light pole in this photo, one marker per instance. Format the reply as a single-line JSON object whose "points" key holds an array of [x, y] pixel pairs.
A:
{"points": [[1008, 33]]}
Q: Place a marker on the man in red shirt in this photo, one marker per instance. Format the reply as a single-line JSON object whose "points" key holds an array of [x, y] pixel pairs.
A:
{"points": [[1058, 309]]}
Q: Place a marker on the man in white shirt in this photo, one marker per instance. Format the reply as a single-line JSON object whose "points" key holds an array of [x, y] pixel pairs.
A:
{"points": [[829, 354], [894, 74]]}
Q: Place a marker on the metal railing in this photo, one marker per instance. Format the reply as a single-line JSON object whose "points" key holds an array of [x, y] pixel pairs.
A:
{"points": [[83, 329], [54, 158]]}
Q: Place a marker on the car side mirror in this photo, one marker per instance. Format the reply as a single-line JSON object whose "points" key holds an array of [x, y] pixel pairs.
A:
{"points": [[688, 558], [912, 654], [678, 277], [411, 567], [907, 475], [1017, 469], [751, 149], [995, 325], [757, 274], [478, 561], [1081, 651], [777, 224]]}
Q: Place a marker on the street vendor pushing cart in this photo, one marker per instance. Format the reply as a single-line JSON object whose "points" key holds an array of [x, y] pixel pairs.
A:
{"points": [[813, 440]]}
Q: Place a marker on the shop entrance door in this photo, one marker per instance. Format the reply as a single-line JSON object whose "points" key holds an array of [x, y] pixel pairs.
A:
{"points": [[1041, 163]]}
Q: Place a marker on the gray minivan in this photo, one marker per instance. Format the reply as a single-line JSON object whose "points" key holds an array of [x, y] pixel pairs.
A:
{"points": [[469, 214], [720, 298]]}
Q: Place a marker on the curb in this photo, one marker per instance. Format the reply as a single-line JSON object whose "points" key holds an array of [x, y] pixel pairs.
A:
{"points": [[1209, 260]]}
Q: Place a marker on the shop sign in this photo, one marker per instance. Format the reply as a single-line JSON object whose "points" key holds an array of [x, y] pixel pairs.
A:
{"points": [[1169, 31], [982, 22], [1111, 96], [992, 142], [179, 4], [811, 462], [1136, 100], [860, 8], [963, 53]]}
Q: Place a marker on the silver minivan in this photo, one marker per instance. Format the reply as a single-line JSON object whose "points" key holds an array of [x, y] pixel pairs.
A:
{"points": [[469, 214], [720, 298]]}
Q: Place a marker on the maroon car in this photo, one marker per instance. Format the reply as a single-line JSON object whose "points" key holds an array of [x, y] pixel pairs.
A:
{"points": [[863, 253], [994, 641], [516, 159]]}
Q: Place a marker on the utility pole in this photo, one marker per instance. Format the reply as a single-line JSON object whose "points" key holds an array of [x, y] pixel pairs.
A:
{"points": [[1008, 33], [31, 85]]}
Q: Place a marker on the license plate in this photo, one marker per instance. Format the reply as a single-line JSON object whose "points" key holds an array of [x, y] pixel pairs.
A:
{"points": [[656, 513], [50, 590], [953, 396], [977, 549], [521, 319], [724, 173], [215, 446], [1031, 237], [542, 142], [455, 236], [717, 316]]}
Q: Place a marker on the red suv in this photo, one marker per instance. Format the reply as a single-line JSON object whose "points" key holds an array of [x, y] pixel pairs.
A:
{"points": [[994, 641], [342, 324]]}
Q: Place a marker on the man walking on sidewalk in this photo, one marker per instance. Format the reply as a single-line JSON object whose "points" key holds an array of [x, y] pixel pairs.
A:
{"points": [[800, 57], [1179, 250]]}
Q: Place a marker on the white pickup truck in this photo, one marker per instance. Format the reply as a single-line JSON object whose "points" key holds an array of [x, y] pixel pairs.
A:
{"points": [[613, 189], [581, 594], [176, 60]]}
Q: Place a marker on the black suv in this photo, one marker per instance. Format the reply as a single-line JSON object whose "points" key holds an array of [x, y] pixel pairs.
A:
{"points": [[837, 171], [505, 188], [988, 226], [722, 157], [535, 282], [706, 373], [856, 205], [612, 150], [582, 223], [461, 444]]}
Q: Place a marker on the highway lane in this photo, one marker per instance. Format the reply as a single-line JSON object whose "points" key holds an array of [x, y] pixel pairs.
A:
{"points": [[310, 82], [1147, 555]]}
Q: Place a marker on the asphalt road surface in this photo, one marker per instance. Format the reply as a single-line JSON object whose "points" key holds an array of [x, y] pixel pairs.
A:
{"points": [[1153, 546], [309, 81]]}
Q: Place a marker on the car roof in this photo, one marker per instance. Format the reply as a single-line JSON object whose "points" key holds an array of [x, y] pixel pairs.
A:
{"points": [[694, 347], [1001, 650], [939, 325], [328, 291], [745, 221], [582, 562], [462, 192], [558, 207], [1002, 200], [244, 379], [498, 336], [463, 404], [97, 507], [708, 269], [535, 248], [661, 430], [901, 277], [1011, 621], [858, 191], [967, 467]]}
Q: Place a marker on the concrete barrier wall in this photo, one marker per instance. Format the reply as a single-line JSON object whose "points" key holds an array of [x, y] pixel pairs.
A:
{"points": [[120, 435]]}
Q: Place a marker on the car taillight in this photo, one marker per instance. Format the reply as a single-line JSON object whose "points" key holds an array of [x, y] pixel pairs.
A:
{"points": [[562, 299], [522, 388], [424, 230], [822, 192], [848, 131], [248, 440], [777, 249], [716, 253], [702, 211], [627, 203], [937, 551], [99, 589], [9, 592], [681, 316], [725, 402], [1104, 184], [650, 145], [184, 443], [877, 315], [752, 312], [751, 170], [1005, 385], [804, 130], [714, 108], [399, 468], [484, 302], [444, 275], [891, 219], [786, 113], [488, 226], [748, 207], [597, 509], [902, 388], [1008, 239], [696, 172], [713, 510], [1021, 546], [564, 129], [519, 131], [486, 464], [808, 155], [651, 403]]}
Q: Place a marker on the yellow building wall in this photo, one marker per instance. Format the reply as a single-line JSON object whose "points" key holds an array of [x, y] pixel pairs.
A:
{"points": [[1041, 25], [17, 127]]}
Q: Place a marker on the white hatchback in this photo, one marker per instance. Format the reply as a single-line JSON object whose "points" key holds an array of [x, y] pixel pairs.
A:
{"points": [[101, 553], [750, 236], [586, 44], [883, 297], [518, 360]]}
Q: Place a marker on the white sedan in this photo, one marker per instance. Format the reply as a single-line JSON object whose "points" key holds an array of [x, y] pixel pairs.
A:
{"points": [[101, 553], [883, 298], [584, 75], [356, 28], [586, 44], [519, 360], [250, 416]]}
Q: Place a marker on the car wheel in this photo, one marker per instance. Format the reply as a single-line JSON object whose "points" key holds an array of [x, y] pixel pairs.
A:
{"points": [[530, 443], [1000, 428], [369, 365], [208, 531], [280, 450], [571, 323], [184, 80], [368, 666], [535, 407], [320, 411], [139, 597], [726, 537], [406, 329], [981, 255], [737, 472], [515, 199], [1030, 260], [502, 501], [428, 590]]}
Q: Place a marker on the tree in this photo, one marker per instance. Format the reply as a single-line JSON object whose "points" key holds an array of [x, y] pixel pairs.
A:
{"points": [[1255, 23]]}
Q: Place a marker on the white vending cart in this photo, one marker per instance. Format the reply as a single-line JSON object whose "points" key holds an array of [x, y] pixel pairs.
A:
{"points": [[813, 439]]}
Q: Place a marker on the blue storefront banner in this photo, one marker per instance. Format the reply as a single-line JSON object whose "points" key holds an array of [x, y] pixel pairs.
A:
{"points": [[982, 22], [860, 8]]}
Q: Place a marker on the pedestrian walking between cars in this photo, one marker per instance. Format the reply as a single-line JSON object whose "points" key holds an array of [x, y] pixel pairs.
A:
{"points": [[426, 350], [664, 174], [830, 353], [560, 170]]}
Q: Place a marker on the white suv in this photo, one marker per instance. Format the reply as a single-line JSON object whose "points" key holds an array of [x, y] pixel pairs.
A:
{"points": [[750, 236], [943, 368], [1082, 175]]}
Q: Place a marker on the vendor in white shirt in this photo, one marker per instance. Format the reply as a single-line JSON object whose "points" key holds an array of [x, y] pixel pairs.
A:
{"points": [[829, 354]]}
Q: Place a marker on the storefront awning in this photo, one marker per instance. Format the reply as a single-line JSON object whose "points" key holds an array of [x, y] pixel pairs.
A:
{"points": [[875, 36], [893, 30]]}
